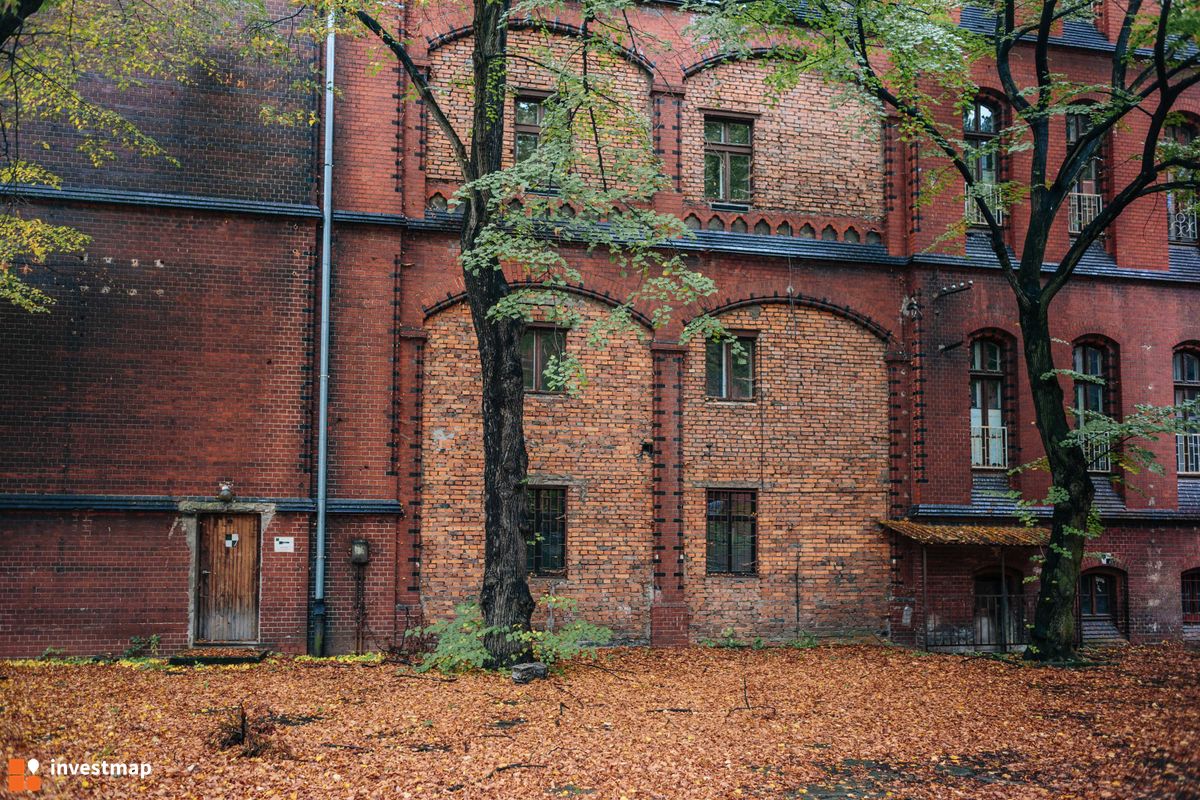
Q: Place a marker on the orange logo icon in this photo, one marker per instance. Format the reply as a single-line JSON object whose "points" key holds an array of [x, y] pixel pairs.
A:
{"points": [[18, 780]]}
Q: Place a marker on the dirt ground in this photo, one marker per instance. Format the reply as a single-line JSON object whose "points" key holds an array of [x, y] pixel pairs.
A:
{"points": [[829, 722]]}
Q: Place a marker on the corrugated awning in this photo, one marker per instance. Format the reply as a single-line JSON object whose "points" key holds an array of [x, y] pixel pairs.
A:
{"points": [[1017, 536]]}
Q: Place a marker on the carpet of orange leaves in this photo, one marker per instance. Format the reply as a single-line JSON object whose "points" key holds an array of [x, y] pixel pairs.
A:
{"points": [[830, 722]]}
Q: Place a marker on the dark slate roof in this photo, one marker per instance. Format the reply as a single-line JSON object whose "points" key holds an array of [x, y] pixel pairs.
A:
{"points": [[989, 490], [1075, 32], [1189, 495]]}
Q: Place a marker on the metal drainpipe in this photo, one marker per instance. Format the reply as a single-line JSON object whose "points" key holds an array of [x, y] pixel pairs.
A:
{"points": [[318, 605]]}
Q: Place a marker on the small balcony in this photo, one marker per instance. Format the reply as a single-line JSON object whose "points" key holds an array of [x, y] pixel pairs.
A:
{"points": [[1096, 453], [1181, 221], [1082, 209], [1187, 452], [989, 447], [991, 196]]}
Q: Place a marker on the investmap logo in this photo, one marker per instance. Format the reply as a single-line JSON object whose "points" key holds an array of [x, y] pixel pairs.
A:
{"points": [[22, 775]]}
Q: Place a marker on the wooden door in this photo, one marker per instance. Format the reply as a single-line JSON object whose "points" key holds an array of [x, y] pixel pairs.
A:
{"points": [[227, 578]]}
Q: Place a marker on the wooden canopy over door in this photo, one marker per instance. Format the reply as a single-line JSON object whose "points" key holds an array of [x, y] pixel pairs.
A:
{"points": [[227, 578]]}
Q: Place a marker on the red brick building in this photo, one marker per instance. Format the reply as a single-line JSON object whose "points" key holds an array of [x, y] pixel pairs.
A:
{"points": [[686, 492]]}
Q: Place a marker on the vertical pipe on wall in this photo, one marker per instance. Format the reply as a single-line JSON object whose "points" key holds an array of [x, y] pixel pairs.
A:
{"points": [[318, 605]]}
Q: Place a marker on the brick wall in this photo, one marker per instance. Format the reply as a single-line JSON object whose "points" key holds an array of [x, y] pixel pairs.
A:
{"points": [[591, 444], [814, 445]]}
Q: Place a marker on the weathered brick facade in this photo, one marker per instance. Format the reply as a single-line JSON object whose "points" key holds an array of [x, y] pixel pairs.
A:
{"points": [[181, 353]]}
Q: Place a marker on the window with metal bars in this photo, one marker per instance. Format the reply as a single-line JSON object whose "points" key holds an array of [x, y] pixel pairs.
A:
{"points": [[546, 531], [1095, 361], [1191, 597], [989, 436], [732, 531]]}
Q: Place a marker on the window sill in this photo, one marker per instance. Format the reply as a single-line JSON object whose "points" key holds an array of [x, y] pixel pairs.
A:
{"points": [[740, 576], [548, 576], [726, 205], [725, 401], [545, 394]]}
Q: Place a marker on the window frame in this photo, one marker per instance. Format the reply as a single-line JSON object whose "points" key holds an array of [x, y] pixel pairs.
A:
{"points": [[749, 340], [523, 128], [981, 374], [1189, 596], [539, 367], [1187, 445], [534, 532], [724, 149], [724, 540], [1099, 463]]}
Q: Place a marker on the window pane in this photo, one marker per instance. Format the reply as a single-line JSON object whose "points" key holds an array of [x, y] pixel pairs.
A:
{"points": [[987, 119], [718, 547], [739, 177], [526, 144], [738, 132], [528, 112], [714, 132], [714, 369], [550, 343], [529, 358], [714, 185], [742, 369], [1187, 368]]}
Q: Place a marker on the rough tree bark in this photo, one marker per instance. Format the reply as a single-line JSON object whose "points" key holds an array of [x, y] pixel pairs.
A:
{"points": [[504, 597]]}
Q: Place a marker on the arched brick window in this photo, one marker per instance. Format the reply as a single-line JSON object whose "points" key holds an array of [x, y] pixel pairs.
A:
{"points": [[1186, 372], [1095, 393], [989, 433], [1190, 595], [981, 129]]}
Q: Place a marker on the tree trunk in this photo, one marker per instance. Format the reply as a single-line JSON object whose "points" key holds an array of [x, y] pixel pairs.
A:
{"points": [[504, 598], [1053, 635]]}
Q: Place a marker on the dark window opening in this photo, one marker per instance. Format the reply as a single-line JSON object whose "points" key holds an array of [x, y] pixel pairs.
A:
{"points": [[732, 531], [546, 531]]}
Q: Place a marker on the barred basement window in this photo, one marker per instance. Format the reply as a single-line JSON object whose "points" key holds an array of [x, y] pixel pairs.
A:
{"points": [[1191, 597], [541, 349], [546, 532], [727, 156], [732, 531], [729, 369]]}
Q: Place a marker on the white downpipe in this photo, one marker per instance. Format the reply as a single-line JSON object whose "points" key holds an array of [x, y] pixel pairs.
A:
{"points": [[323, 389]]}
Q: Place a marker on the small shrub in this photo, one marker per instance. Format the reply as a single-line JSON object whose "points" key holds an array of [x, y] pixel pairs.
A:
{"points": [[728, 639], [460, 641], [52, 654], [140, 645], [803, 641]]}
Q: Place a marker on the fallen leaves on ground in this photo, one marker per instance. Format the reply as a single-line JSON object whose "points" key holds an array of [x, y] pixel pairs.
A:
{"points": [[829, 722]]}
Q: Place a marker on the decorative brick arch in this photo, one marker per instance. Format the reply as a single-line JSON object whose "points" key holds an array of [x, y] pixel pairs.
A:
{"points": [[548, 26], [804, 301], [726, 58], [605, 298]]}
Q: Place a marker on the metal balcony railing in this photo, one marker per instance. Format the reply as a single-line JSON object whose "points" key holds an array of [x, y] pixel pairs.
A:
{"points": [[1182, 220], [1082, 209], [989, 447], [991, 196], [1096, 452], [1187, 451]]}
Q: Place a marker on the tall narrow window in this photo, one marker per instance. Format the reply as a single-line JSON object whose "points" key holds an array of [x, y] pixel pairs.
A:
{"points": [[541, 350], [1091, 397], [1191, 597], [980, 128], [732, 531], [727, 157], [546, 532], [989, 436], [729, 368], [1187, 390], [527, 126], [1085, 200], [1181, 209]]}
